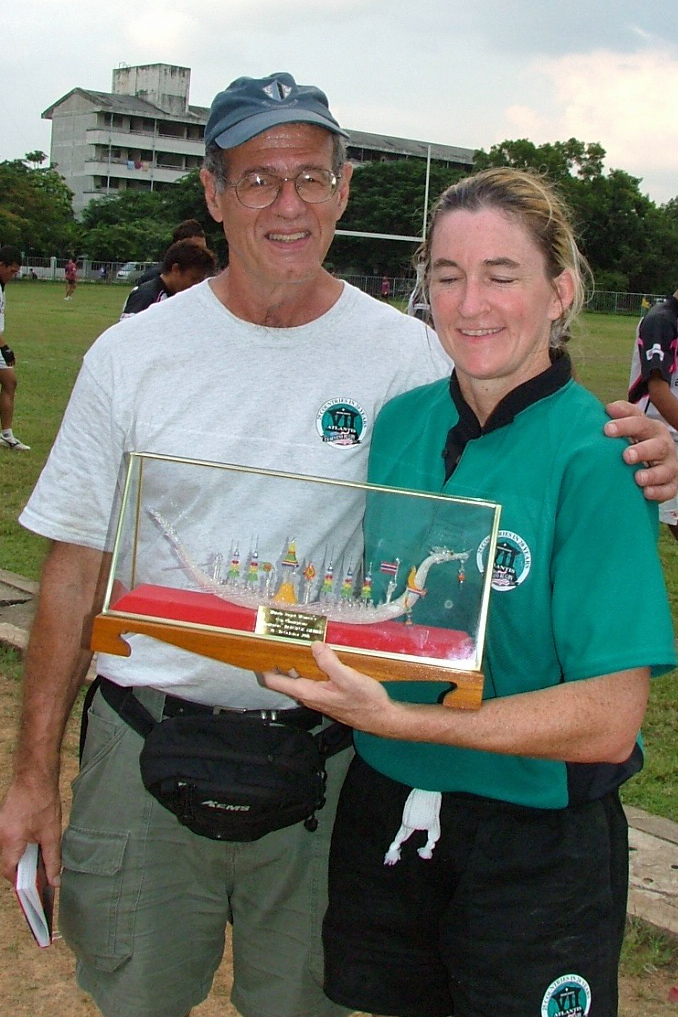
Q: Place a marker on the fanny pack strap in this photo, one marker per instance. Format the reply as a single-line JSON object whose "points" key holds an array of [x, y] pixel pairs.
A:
{"points": [[332, 739], [127, 706]]}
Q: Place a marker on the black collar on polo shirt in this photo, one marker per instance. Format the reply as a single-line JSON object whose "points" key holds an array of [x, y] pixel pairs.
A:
{"points": [[468, 427]]}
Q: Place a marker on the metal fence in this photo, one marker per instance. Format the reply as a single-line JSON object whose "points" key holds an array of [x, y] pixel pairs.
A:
{"points": [[600, 302], [399, 287], [609, 302], [54, 269]]}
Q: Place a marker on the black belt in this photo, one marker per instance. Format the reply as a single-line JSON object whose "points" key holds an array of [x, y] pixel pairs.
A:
{"points": [[332, 739], [299, 716]]}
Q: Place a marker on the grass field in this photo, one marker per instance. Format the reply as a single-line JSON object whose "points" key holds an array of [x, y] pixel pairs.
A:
{"points": [[50, 337]]}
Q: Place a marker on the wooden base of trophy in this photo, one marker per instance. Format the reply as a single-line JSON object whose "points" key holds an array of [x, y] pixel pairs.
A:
{"points": [[256, 654]]}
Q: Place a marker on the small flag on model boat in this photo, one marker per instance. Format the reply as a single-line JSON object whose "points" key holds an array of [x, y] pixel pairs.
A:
{"points": [[366, 589], [234, 568], [347, 585], [290, 558], [253, 568], [328, 580]]}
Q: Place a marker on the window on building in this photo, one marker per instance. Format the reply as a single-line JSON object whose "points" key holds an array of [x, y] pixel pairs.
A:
{"points": [[141, 125], [169, 129], [170, 160]]}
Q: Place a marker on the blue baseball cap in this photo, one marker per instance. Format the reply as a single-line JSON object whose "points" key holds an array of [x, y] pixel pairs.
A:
{"points": [[251, 105]]}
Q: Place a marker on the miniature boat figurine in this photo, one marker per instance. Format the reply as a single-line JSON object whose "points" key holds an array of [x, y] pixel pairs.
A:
{"points": [[343, 606]]}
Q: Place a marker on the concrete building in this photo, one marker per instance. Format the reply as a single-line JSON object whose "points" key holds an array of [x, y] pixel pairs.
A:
{"points": [[145, 135]]}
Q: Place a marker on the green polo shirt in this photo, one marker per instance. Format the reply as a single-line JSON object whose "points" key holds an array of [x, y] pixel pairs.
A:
{"points": [[577, 591]]}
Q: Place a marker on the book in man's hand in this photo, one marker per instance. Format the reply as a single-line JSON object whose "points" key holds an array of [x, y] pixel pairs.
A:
{"points": [[35, 894]]}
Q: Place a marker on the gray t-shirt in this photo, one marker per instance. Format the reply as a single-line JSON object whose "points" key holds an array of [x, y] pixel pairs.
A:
{"points": [[188, 378]]}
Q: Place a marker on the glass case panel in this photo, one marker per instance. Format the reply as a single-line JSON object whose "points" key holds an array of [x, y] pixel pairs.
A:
{"points": [[250, 566]]}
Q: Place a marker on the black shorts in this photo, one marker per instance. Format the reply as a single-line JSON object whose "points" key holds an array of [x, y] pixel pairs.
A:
{"points": [[519, 912]]}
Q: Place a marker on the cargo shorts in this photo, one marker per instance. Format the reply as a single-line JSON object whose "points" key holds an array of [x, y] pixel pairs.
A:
{"points": [[144, 902]]}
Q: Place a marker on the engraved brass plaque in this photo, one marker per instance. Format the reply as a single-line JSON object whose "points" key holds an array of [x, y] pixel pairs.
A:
{"points": [[275, 621]]}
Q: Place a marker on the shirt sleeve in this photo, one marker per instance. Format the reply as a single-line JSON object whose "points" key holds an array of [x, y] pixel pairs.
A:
{"points": [[657, 344], [82, 478], [610, 608]]}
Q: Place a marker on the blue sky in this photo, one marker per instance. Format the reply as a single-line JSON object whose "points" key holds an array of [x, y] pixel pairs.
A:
{"points": [[435, 70]]}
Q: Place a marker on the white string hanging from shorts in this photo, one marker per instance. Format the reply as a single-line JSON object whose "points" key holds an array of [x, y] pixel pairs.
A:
{"points": [[420, 812]]}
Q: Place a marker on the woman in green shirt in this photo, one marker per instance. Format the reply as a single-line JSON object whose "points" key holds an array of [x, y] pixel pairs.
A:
{"points": [[516, 901]]}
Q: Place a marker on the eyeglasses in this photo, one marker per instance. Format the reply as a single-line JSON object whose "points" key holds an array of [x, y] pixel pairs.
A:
{"points": [[260, 189]]}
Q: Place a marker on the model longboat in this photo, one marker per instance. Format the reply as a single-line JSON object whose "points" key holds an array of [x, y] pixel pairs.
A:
{"points": [[235, 602]]}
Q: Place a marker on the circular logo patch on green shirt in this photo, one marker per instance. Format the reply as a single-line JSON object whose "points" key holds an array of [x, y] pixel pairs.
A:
{"points": [[512, 560]]}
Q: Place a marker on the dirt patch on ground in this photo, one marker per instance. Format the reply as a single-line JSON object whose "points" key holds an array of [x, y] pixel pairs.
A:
{"points": [[40, 983], [647, 995]]}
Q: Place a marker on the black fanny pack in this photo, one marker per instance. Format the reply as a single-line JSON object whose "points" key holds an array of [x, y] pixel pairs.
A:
{"points": [[231, 775]]}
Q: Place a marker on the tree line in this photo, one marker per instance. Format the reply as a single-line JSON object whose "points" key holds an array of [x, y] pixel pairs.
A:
{"points": [[630, 242]]}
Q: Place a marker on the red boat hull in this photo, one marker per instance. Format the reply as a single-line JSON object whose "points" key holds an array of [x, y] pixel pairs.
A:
{"points": [[162, 602]]}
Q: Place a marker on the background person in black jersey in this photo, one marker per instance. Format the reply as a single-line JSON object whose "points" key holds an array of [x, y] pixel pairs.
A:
{"points": [[185, 264], [189, 229]]}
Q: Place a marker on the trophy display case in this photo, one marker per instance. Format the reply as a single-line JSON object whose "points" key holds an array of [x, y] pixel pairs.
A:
{"points": [[250, 566]]}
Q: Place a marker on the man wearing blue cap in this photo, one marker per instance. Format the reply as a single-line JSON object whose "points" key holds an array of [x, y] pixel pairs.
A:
{"points": [[276, 176], [280, 351]]}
